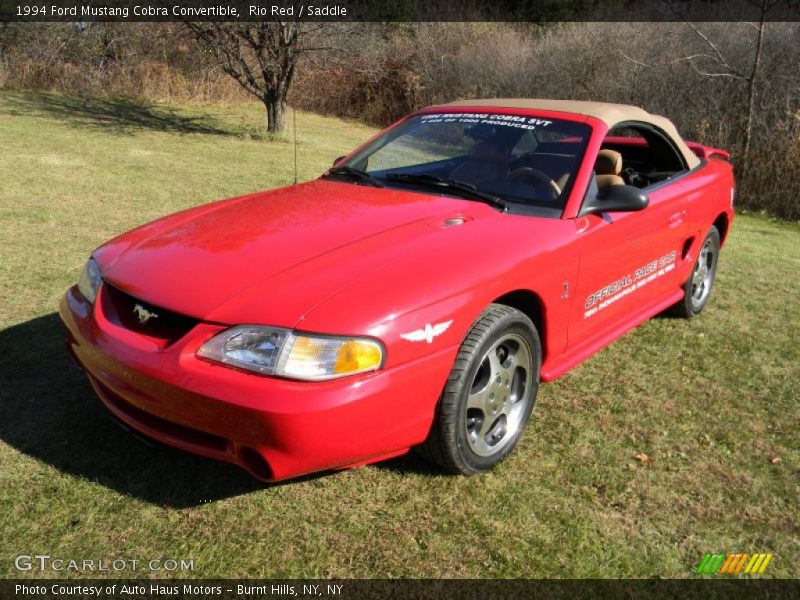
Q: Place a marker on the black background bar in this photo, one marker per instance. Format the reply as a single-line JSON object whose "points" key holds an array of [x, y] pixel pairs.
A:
{"points": [[396, 10]]}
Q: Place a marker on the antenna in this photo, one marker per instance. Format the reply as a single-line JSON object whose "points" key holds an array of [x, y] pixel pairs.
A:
{"points": [[294, 127]]}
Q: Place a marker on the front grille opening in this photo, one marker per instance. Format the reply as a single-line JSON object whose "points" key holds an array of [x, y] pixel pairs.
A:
{"points": [[160, 324], [185, 436]]}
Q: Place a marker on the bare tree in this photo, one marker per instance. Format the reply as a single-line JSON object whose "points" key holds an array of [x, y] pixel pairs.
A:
{"points": [[261, 57], [702, 63], [764, 7], [748, 75]]}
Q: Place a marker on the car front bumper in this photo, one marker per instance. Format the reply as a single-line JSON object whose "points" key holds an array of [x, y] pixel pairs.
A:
{"points": [[274, 428]]}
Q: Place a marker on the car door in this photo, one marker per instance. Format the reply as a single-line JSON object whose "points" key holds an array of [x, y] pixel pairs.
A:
{"points": [[627, 262]]}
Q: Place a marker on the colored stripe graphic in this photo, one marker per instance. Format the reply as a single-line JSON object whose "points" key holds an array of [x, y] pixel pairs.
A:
{"points": [[740, 564], [765, 563], [711, 563], [703, 564], [727, 566], [714, 563], [733, 563], [758, 563], [753, 564]]}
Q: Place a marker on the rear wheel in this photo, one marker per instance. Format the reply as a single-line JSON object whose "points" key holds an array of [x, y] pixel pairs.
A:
{"points": [[489, 395], [697, 288]]}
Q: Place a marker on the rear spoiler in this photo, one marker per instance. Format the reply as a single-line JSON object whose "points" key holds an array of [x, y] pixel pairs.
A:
{"points": [[708, 152]]}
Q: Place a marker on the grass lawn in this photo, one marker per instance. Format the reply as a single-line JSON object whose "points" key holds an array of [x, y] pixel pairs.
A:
{"points": [[711, 402]]}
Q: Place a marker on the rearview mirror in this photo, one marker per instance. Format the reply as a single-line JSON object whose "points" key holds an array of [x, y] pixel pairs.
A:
{"points": [[617, 198]]}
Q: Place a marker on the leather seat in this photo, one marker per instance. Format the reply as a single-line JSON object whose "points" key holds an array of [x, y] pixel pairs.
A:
{"points": [[486, 161], [608, 166], [608, 162]]}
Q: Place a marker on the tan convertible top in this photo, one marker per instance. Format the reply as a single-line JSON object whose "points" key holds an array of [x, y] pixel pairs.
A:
{"points": [[610, 114]]}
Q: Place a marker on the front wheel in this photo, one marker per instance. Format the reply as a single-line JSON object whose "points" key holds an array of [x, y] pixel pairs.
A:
{"points": [[697, 288], [489, 395]]}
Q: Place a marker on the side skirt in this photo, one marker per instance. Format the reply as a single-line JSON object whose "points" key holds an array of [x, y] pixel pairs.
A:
{"points": [[576, 355]]}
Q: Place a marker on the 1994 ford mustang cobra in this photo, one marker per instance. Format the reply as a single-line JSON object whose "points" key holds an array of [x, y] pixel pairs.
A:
{"points": [[413, 296]]}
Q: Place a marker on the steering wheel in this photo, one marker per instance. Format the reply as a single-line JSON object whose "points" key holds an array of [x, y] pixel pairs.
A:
{"points": [[536, 178], [634, 178]]}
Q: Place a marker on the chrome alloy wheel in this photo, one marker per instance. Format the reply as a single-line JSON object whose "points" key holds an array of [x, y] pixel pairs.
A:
{"points": [[499, 395], [703, 274]]}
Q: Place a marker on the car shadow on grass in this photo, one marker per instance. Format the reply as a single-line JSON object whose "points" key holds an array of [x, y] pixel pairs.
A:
{"points": [[121, 115], [49, 412], [411, 464]]}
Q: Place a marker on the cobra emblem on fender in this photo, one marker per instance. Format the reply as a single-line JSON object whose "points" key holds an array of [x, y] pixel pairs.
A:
{"points": [[427, 333]]}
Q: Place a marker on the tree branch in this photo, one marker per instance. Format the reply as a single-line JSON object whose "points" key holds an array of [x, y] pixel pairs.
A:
{"points": [[262, 57], [689, 59]]}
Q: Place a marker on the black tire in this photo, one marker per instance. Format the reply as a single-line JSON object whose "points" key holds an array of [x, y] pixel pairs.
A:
{"points": [[695, 294], [457, 441]]}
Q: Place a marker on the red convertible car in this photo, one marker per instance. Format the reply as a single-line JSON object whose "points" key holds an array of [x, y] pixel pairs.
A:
{"points": [[413, 296]]}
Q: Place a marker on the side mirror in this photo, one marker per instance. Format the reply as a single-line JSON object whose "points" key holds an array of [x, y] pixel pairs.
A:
{"points": [[617, 198], [337, 159]]}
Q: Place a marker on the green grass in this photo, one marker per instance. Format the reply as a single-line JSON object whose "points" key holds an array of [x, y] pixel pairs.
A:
{"points": [[712, 401]]}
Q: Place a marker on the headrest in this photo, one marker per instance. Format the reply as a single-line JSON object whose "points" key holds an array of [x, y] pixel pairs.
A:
{"points": [[609, 162], [487, 152], [606, 181]]}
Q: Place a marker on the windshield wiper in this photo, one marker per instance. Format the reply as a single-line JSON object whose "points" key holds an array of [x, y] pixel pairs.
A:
{"points": [[463, 189], [355, 174]]}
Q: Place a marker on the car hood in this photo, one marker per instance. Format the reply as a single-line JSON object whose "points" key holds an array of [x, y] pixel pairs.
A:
{"points": [[272, 256]]}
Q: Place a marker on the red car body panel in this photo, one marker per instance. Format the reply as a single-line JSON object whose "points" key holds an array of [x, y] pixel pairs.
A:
{"points": [[172, 396], [336, 258]]}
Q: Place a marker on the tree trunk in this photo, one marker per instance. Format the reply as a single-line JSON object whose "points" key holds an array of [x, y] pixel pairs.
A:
{"points": [[751, 89], [276, 114]]}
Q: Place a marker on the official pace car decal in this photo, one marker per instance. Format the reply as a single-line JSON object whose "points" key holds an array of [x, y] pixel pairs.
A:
{"points": [[427, 333], [628, 284]]}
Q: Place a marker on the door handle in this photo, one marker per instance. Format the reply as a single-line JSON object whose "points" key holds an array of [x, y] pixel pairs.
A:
{"points": [[676, 218]]}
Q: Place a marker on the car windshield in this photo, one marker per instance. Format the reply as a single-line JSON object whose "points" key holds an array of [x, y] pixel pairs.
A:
{"points": [[526, 162]]}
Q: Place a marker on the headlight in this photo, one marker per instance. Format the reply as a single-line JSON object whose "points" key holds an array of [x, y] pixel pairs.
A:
{"points": [[90, 280], [282, 352]]}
